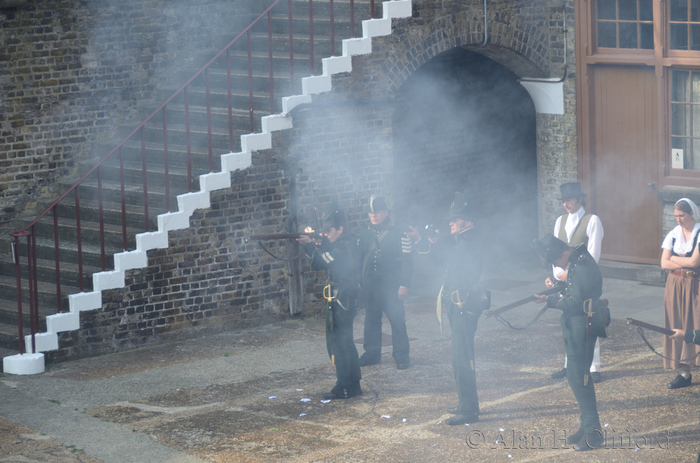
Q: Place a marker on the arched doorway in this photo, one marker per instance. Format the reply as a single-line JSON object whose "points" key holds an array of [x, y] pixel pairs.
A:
{"points": [[463, 122]]}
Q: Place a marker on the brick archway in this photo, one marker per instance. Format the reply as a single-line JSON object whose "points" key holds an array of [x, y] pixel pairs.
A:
{"points": [[520, 48]]}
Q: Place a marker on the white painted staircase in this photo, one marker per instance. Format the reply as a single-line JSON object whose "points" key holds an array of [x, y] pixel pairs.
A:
{"points": [[33, 362]]}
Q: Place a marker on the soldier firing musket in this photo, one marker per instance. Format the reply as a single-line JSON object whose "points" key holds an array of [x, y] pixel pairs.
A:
{"points": [[337, 253]]}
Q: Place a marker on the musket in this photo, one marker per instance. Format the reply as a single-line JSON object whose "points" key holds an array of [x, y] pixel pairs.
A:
{"points": [[556, 289], [283, 236], [650, 327]]}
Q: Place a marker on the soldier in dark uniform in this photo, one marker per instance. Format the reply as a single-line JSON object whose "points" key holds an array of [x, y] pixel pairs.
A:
{"points": [[386, 276], [463, 299], [584, 285], [337, 253]]}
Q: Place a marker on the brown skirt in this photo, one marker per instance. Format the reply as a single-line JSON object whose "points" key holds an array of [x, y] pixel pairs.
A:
{"points": [[682, 310]]}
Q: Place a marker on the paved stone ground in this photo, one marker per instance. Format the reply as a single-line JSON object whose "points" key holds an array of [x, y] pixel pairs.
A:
{"points": [[237, 396]]}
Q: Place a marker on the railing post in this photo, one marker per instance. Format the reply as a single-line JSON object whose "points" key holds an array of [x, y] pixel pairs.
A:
{"points": [[18, 275], [123, 196], [332, 31], [165, 159], [291, 49], [250, 86], [311, 36], [79, 238], [34, 314], [56, 258], [187, 140], [230, 102], [30, 284], [209, 138], [101, 216], [352, 19], [269, 51], [145, 179]]}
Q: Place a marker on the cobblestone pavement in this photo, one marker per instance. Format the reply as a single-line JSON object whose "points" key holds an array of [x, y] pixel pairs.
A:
{"points": [[241, 396]]}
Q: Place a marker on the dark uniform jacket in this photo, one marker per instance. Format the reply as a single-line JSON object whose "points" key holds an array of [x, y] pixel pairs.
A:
{"points": [[584, 281], [464, 263], [385, 253], [340, 259]]}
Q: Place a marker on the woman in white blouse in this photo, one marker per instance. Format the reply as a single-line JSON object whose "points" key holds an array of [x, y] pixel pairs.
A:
{"points": [[681, 299]]}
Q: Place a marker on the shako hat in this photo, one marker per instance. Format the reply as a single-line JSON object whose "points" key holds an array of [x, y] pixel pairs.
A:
{"points": [[334, 217], [377, 203], [459, 209], [550, 248], [571, 190]]}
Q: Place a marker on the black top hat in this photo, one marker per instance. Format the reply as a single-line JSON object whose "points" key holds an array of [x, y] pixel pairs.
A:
{"points": [[571, 190], [550, 248], [459, 209], [377, 203], [335, 218]]}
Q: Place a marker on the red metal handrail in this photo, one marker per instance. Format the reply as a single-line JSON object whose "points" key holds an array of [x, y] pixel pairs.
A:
{"points": [[30, 231]]}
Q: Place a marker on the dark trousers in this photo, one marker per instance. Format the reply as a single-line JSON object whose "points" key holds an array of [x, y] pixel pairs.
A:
{"points": [[341, 343], [463, 326], [383, 299], [580, 356]]}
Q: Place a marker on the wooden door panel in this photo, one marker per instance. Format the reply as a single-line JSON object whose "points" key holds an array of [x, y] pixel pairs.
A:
{"points": [[624, 171]]}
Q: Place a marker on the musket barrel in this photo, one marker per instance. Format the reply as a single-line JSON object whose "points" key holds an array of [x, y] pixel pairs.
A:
{"points": [[523, 301], [650, 327], [281, 236]]}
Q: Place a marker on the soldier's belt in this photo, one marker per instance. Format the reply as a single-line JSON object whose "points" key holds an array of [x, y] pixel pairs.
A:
{"points": [[457, 302], [331, 295]]}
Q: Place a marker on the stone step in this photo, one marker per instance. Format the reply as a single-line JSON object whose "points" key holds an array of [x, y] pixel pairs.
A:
{"points": [[46, 271], [47, 298], [9, 337], [644, 273]]}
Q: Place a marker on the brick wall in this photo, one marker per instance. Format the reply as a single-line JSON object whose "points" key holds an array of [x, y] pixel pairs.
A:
{"points": [[210, 278], [71, 71], [342, 146]]}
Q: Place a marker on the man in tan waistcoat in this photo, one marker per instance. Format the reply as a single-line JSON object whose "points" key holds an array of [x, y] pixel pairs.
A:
{"points": [[574, 228]]}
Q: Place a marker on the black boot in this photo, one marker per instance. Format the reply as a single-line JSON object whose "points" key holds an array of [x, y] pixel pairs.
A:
{"points": [[340, 392], [680, 382], [575, 437], [590, 441], [559, 374]]}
